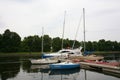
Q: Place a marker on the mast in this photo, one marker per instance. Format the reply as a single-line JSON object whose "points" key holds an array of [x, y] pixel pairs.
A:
{"points": [[63, 30], [76, 32], [84, 37], [42, 40], [84, 28]]}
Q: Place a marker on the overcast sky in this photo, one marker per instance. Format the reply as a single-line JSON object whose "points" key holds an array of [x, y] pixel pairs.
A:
{"points": [[27, 17]]}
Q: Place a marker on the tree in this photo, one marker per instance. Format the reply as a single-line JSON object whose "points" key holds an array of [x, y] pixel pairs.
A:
{"points": [[31, 44], [95, 46], [66, 43], [108, 46], [46, 43], [10, 41], [57, 44], [115, 46], [89, 46], [101, 45], [0, 42]]}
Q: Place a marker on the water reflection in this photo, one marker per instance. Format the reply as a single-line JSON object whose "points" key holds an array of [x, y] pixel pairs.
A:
{"points": [[17, 69], [112, 56], [9, 70], [70, 74], [25, 66], [64, 71], [47, 74], [39, 68]]}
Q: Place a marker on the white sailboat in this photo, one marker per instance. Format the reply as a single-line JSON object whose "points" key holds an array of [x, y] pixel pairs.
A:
{"points": [[87, 57], [64, 53], [67, 64], [46, 60]]}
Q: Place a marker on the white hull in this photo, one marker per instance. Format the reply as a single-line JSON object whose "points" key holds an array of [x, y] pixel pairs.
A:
{"points": [[43, 61], [64, 53]]}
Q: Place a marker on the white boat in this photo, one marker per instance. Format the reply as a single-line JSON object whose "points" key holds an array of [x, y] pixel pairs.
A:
{"points": [[43, 61], [64, 65], [64, 53]]}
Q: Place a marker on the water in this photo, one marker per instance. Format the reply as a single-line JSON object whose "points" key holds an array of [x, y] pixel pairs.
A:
{"points": [[21, 69]]}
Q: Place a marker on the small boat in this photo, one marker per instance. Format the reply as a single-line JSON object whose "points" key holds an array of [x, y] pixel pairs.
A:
{"points": [[43, 61], [93, 57], [64, 65]]}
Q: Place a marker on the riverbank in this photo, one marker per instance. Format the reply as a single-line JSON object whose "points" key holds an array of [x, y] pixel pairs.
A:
{"points": [[38, 54], [21, 54], [106, 52]]}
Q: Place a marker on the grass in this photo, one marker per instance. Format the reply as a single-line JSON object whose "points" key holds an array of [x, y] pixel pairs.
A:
{"points": [[20, 54]]}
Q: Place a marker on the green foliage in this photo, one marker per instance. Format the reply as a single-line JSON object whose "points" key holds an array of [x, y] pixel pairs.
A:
{"points": [[89, 46], [11, 42], [46, 43], [31, 44], [56, 43], [0, 42]]}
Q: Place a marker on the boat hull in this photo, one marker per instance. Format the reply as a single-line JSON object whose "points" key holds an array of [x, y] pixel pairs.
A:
{"points": [[64, 53], [64, 66], [43, 61], [53, 55]]}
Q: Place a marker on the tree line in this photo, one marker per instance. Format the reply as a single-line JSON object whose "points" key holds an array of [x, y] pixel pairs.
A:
{"points": [[11, 42]]}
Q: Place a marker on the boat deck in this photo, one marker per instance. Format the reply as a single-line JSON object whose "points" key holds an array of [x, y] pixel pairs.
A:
{"points": [[105, 66]]}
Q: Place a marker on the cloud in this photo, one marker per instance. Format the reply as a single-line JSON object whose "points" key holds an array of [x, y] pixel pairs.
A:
{"points": [[27, 17]]}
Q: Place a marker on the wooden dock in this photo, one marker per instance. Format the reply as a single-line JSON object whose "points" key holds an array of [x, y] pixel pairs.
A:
{"points": [[103, 67]]}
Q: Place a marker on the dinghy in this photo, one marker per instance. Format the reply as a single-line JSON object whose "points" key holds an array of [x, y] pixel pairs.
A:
{"points": [[64, 65]]}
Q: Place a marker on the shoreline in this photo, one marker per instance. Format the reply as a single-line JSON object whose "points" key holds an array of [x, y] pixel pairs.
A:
{"points": [[38, 54]]}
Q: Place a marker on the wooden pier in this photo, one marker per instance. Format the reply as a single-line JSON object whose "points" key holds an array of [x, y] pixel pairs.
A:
{"points": [[103, 67]]}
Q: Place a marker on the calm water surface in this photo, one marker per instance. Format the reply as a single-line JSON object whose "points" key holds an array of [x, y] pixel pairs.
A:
{"points": [[21, 69]]}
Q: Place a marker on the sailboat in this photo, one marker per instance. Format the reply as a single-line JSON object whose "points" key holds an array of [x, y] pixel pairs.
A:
{"points": [[46, 60], [64, 53], [89, 57], [86, 57], [66, 64]]}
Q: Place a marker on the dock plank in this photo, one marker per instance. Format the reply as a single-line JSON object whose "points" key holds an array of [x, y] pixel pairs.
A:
{"points": [[110, 68]]}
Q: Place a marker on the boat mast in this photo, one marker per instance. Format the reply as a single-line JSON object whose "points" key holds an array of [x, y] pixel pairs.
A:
{"points": [[77, 32], [63, 30], [84, 28], [42, 40]]}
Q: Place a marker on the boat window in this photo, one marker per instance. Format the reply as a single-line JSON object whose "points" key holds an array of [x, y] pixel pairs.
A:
{"points": [[71, 53], [64, 51]]}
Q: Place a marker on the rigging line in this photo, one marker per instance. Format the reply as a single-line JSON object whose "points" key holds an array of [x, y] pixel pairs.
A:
{"points": [[42, 39], [63, 29], [77, 31]]}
